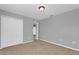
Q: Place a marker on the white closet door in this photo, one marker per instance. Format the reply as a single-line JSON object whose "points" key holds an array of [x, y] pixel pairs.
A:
{"points": [[11, 31]]}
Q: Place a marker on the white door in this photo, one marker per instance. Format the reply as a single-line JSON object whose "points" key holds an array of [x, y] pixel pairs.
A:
{"points": [[11, 31]]}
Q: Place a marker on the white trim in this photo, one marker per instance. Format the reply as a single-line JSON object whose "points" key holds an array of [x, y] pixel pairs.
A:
{"points": [[37, 30], [60, 45], [17, 44]]}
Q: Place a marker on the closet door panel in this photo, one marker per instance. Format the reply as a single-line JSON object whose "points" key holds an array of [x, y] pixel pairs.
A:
{"points": [[3, 31], [13, 32]]}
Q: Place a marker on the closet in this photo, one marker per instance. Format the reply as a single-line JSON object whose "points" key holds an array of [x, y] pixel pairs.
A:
{"points": [[11, 31]]}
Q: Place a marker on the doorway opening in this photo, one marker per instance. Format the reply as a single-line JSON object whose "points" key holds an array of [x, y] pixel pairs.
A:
{"points": [[35, 31]]}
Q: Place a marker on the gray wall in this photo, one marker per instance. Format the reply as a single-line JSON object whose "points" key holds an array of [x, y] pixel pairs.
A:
{"points": [[62, 29], [27, 24], [27, 29]]}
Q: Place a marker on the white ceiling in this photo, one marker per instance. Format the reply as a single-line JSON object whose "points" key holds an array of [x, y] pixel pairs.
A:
{"points": [[31, 10]]}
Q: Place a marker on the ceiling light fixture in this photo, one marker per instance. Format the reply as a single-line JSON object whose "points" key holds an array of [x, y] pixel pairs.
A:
{"points": [[41, 8]]}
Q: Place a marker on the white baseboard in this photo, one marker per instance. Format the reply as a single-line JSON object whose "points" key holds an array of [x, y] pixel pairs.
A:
{"points": [[48, 42], [17, 44], [60, 45]]}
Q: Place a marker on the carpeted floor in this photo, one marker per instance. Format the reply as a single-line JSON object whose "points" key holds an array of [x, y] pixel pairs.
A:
{"points": [[37, 48]]}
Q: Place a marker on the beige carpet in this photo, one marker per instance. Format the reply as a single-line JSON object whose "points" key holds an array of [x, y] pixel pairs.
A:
{"points": [[37, 48]]}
